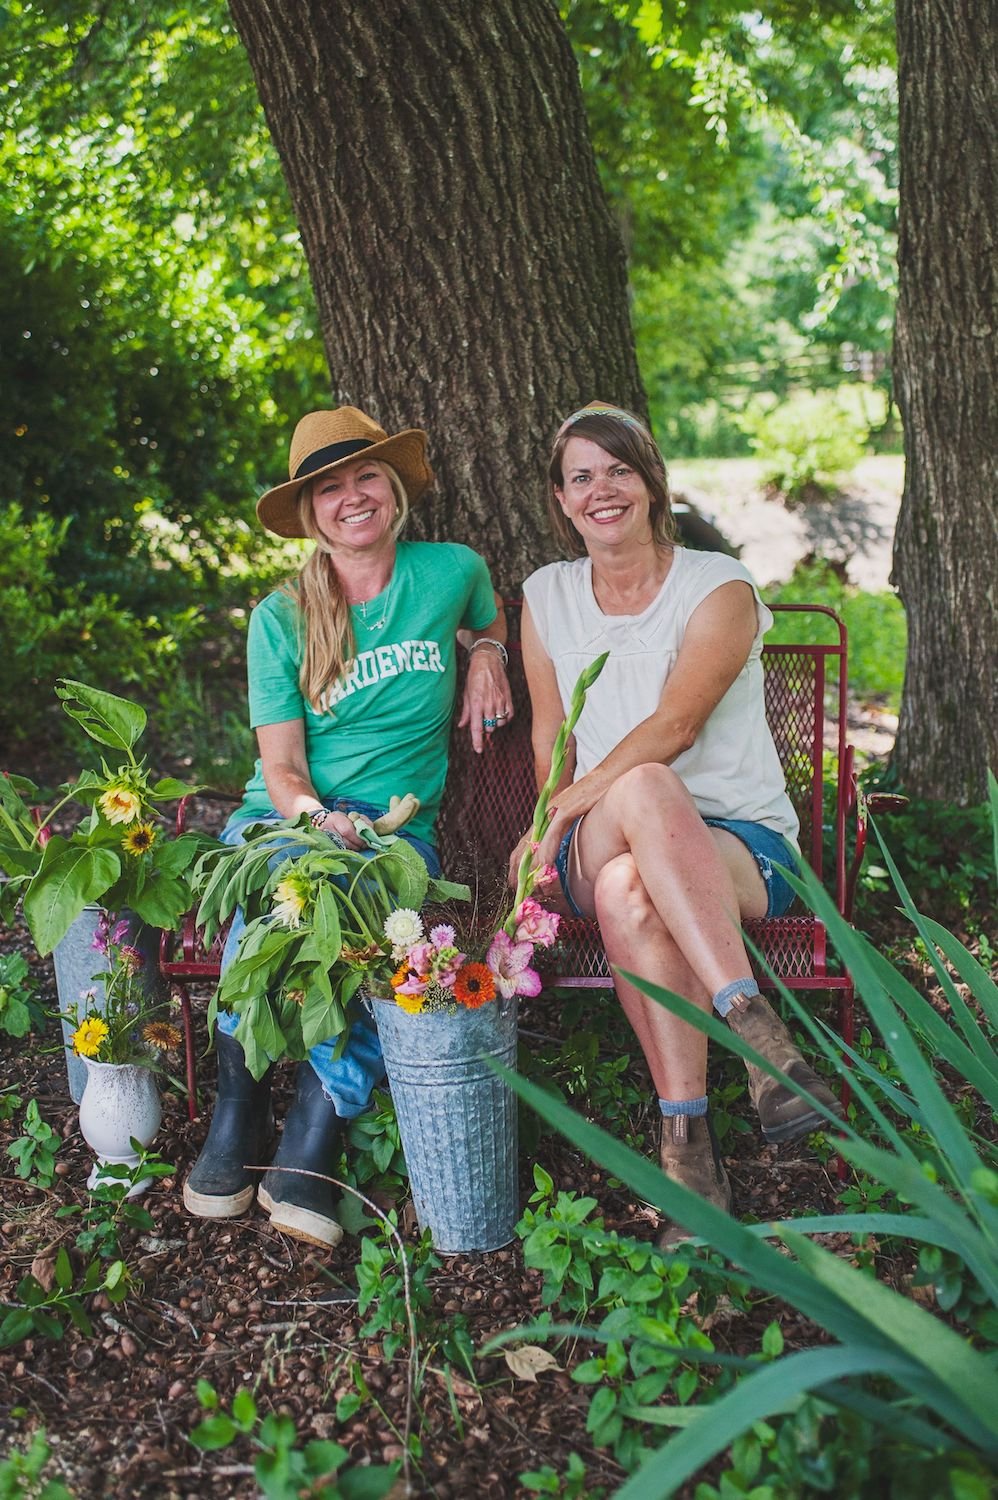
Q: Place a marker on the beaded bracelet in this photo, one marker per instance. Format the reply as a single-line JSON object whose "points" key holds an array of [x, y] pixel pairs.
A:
{"points": [[486, 640], [318, 816]]}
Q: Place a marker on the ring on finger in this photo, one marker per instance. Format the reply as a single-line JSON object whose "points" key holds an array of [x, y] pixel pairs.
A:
{"points": [[489, 723]]}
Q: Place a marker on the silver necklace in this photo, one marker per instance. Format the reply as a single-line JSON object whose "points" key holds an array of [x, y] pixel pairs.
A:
{"points": [[363, 603]]}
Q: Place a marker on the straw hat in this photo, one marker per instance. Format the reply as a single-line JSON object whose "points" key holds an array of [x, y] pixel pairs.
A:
{"points": [[323, 440]]}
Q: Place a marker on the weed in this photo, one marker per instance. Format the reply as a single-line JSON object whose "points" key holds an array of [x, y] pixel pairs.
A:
{"points": [[19, 1009], [22, 1476], [381, 1283], [283, 1470], [109, 1210], [41, 1312], [34, 1152]]}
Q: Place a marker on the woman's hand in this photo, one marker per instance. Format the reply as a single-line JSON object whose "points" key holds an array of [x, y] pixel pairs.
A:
{"points": [[488, 702], [339, 823]]}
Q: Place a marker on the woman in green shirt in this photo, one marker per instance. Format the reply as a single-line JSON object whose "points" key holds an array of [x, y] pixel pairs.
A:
{"points": [[352, 678]]}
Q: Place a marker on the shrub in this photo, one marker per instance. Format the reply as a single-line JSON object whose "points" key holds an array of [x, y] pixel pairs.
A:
{"points": [[876, 623], [809, 441]]}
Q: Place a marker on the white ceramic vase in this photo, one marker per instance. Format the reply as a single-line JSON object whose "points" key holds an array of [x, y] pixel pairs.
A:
{"points": [[120, 1101]]}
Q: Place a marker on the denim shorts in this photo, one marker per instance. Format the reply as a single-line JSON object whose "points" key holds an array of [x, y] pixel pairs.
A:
{"points": [[232, 833], [767, 847]]}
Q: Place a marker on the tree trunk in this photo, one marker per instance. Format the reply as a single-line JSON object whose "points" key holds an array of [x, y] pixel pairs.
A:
{"points": [[946, 370], [468, 273]]}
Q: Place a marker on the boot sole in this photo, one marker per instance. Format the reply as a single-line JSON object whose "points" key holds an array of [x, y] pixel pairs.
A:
{"points": [[212, 1206], [301, 1223], [794, 1130]]}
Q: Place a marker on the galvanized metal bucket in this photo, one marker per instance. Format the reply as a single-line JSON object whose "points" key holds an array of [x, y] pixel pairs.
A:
{"points": [[457, 1120], [76, 961]]}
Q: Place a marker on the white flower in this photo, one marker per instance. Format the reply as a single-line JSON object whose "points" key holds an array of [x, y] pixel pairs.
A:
{"points": [[290, 897], [403, 928]]}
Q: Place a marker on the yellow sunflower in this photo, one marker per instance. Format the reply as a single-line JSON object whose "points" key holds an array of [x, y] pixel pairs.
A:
{"points": [[139, 838], [88, 1036], [120, 804], [413, 1004]]}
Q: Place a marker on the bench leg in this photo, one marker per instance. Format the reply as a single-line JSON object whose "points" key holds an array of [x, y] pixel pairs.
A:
{"points": [[187, 1018]]}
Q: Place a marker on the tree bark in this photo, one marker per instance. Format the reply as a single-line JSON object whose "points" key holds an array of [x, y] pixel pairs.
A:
{"points": [[469, 276], [946, 372]]}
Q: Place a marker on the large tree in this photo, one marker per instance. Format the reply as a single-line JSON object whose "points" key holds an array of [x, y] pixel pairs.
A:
{"points": [[468, 273], [946, 371]]}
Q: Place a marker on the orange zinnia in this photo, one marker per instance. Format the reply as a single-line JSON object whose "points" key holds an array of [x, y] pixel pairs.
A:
{"points": [[474, 986]]}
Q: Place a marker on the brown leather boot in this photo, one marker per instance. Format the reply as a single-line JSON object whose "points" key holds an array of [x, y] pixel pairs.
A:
{"points": [[688, 1154], [783, 1115]]}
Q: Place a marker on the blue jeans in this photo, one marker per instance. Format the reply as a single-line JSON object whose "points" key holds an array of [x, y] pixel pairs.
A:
{"points": [[347, 1080], [766, 846]]}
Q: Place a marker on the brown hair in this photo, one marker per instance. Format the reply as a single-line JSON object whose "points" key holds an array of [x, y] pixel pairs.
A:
{"points": [[324, 620], [626, 438]]}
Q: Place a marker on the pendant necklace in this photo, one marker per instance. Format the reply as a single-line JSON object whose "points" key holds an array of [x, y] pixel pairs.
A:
{"points": [[362, 606]]}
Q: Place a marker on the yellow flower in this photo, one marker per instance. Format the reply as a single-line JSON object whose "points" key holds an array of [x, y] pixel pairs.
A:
{"points": [[88, 1036], [120, 804], [139, 838], [162, 1035], [413, 1004], [290, 898]]}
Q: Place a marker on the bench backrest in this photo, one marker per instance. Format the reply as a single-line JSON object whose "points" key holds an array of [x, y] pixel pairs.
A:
{"points": [[490, 798]]}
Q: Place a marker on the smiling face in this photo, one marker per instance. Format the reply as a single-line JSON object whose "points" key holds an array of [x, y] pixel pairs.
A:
{"points": [[606, 500], [354, 505]]}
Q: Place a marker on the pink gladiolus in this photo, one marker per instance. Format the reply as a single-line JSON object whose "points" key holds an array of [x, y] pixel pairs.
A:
{"points": [[510, 963], [414, 985], [419, 957], [442, 936], [545, 875], [120, 932], [535, 924]]}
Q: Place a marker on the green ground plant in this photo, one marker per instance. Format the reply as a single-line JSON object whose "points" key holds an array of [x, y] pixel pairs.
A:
{"points": [[878, 632], [109, 1211], [20, 1011], [809, 441], [34, 1152], [22, 1472], [283, 1469], [917, 1390]]}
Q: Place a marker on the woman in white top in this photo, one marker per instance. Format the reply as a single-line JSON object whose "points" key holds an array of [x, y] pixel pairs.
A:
{"points": [[672, 809]]}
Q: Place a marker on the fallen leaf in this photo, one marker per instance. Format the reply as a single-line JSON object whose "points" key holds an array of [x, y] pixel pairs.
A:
{"points": [[530, 1360]]}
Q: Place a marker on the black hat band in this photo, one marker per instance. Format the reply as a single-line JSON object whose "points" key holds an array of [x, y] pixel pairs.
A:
{"points": [[331, 455]]}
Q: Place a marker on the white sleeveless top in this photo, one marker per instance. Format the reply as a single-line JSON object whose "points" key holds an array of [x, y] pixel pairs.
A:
{"points": [[733, 770]]}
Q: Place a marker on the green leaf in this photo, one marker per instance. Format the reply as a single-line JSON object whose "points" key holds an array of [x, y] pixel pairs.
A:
{"points": [[68, 879], [214, 1432], [109, 720], [63, 1270], [244, 1409]]}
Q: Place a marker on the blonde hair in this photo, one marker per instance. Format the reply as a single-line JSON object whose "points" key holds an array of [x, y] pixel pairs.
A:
{"points": [[623, 435], [324, 621]]}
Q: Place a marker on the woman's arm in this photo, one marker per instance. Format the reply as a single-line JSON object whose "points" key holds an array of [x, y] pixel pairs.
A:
{"points": [[486, 688], [714, 649], [289, 781]]}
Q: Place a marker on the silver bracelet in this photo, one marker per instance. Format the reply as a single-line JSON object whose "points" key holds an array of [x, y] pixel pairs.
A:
{"points": [[486, 640]]}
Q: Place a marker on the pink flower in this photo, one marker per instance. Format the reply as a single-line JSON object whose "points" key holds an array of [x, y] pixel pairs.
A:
{"points": [[535, 924], [415, 984], [545, 875], [510, 963], [420, 957], [442, 936], [446, 963], [131, 958], [121, 931]]}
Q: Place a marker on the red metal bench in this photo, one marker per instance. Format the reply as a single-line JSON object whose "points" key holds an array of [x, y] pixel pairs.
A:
{"points": [[490, 798]]}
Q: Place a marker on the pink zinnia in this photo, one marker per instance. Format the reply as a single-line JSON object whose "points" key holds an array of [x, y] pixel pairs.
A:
{"points": [[535, 924], [510, 963]]}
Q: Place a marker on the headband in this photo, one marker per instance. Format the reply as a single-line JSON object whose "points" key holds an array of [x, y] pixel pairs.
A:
{"points": [[617, 412]]}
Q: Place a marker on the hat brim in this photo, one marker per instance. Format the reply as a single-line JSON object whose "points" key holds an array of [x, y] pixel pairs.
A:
{"points": [[277, 509]]}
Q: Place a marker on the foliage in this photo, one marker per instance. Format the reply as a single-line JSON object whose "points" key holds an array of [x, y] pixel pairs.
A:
{"points": [[124, 1025], [19, 1009], [40, 1313], [57, 877], [283, 1470], [388, 1290], [808, 442], [910, 1374], [109, 1209], [21, 1472], [875, 623], [314, 932], [34, 1152]]}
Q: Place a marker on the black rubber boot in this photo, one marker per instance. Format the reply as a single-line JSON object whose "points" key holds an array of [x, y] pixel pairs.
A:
{"points": [[241, 1135], [303, 1205]]}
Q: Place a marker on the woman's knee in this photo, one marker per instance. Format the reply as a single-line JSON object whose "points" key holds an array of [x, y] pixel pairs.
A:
{"points": [[620, 897], [646, 789]]}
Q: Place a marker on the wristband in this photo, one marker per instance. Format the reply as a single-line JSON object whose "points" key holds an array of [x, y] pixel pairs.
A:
{"points": [[486, 640], [318, 816]]}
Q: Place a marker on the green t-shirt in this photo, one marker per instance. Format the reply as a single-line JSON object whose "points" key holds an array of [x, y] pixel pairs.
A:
{"points": [[383, 728]]}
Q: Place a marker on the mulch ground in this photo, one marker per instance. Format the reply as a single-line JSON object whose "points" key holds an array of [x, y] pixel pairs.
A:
{"points": [[238, 1304]]}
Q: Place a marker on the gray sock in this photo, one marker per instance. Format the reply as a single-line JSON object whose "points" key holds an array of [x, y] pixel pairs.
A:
{"points": [[722, 1000], [671, 1107]]}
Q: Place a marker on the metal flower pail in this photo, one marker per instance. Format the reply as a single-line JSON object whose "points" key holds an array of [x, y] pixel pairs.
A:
{"points": [[457, 1119]]}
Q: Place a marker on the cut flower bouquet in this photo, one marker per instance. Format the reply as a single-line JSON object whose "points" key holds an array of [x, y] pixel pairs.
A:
{"points": [[125, 1025], [433, 973]]}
